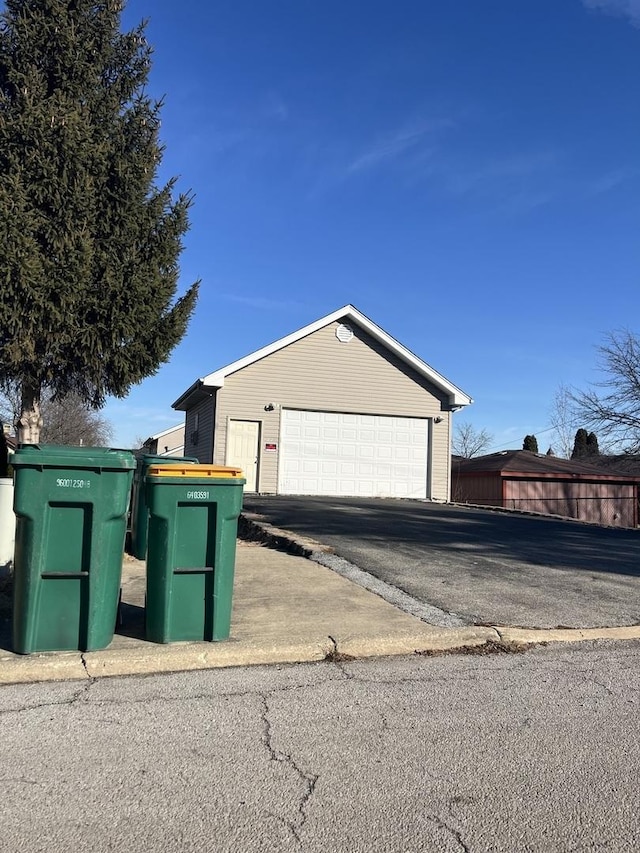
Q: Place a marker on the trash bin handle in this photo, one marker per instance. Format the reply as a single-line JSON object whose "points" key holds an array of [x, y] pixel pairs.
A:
{"points": [[64, 575], [190, 571]]}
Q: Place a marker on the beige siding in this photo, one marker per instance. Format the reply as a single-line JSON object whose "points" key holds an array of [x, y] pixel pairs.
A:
{"points": [[319, 372], [203, 414], [172, 443]]}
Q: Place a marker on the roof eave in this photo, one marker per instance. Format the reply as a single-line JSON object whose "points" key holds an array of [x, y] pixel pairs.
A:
{"points": [[552, 475], [167, 431], [567, 475], [456, 396], [197, 392]]}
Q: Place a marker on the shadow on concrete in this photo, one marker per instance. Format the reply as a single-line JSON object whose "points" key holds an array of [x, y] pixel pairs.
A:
{"points": [[130, 622]]}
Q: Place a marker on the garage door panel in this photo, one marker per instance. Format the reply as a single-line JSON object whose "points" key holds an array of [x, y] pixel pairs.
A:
{"points": [[329, 453]]}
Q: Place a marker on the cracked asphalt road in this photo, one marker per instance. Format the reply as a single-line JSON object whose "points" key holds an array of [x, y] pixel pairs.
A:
{"points": [[481, 567], [530, 752]]}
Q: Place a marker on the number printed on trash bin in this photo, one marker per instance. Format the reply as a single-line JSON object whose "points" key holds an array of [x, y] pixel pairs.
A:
{"points": [[70, 483], [197, 496]]}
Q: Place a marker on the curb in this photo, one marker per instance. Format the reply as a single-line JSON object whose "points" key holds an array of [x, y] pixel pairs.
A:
{"points": [[187, 657], [152, 659], [252, 529], [567, 635]]}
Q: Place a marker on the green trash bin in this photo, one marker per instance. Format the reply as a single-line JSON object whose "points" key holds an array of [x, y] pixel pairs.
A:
{"points": [[139, 509], [193, 523], [71, 515]]}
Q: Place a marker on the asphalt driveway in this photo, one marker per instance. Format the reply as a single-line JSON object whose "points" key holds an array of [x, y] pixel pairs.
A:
{"points": [[485, 567]]}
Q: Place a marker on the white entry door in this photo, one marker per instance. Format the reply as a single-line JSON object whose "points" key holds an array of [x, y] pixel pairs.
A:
{"points": [[243, 444], [333, 453]]}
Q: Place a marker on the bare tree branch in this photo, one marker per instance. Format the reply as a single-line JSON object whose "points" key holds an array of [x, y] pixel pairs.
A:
{"points": [[563, 420], [614, 413], [10, 404], [468, 441], [68, 420]]}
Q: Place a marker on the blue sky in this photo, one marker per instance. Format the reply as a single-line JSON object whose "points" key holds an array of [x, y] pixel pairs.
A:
{"points": [[466, 173]]}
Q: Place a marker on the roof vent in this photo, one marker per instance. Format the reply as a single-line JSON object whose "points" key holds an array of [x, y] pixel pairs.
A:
{"points": [[344, 333]]}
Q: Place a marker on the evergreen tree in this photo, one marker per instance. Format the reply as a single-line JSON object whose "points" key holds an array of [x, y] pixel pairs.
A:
{"points": [[592, 445], [89, 244], [530, 443], [580, 447]]}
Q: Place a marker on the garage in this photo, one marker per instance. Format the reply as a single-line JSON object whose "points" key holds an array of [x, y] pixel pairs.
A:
{"points": [[533, 482], [338, 407], [343, 454]]}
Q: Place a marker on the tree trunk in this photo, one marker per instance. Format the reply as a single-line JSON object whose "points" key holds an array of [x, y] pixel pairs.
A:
{"points": [[30, 422]]}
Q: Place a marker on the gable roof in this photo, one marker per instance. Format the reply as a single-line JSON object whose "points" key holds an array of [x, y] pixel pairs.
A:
{"points": [[215, 380], [525, 463], [166, 431]]}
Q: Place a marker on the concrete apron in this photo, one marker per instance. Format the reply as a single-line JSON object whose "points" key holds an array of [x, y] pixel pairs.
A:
{"points": [[287, 609]]}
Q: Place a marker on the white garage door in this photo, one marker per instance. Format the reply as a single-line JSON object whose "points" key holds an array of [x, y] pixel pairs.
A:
{"points": [[329, 453]]}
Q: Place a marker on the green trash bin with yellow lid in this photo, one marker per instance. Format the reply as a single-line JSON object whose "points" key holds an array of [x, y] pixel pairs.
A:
{"points": [[71, 518], [193, 524], [139, 509]]}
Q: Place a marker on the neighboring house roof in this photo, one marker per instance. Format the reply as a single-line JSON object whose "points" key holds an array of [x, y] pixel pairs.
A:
{"points": [[216, 379], [164, 432], [154, 443], [525, 463], [626, 463]]}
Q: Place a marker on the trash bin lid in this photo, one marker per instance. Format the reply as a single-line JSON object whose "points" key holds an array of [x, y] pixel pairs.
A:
{"points": [[147, 459], [216, 472], [63, 456]]}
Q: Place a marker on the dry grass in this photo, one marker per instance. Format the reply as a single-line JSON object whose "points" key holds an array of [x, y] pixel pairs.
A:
{"points": [[491, 647]]}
